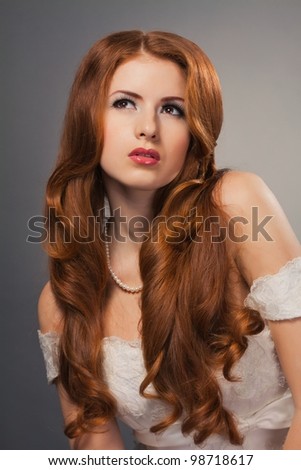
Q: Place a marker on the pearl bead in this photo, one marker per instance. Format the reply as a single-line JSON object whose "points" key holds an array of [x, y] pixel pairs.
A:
{"points": [[122, 285]]}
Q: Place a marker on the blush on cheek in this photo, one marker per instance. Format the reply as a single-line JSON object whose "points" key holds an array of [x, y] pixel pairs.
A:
{"points": [[183, 149], [183, 141]]}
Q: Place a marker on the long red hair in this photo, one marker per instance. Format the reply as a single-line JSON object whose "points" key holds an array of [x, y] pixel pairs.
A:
{"points": [[189, 326]]}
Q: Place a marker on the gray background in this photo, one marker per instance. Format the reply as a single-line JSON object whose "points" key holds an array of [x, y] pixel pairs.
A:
{"points": [[255, 45]]}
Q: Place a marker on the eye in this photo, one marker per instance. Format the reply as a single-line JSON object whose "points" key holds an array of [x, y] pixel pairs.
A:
{"points": [[124, 103], [173, 109]]}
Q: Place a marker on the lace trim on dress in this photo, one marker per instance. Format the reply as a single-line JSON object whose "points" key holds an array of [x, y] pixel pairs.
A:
{"points": [[49, 343], [278, 296], [133, 343], [124, 371], [258, 371]]}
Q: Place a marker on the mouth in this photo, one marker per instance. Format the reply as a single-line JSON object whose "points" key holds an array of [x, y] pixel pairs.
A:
{"points": [[145, 153]]}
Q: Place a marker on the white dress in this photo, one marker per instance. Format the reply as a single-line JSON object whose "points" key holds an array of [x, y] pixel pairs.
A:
{"points": [[260, 401]]}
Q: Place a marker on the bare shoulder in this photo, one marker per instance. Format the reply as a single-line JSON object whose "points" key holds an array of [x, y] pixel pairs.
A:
{"points": [[241, 190], [261, 236], [49, 314]]}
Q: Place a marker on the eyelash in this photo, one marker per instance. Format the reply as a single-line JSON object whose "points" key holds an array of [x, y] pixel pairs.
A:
{"points": [[124, 99], [177, 107], [118, 105]]}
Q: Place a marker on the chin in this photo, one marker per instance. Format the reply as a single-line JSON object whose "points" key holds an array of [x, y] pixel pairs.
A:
{"points": [[147, 185]]}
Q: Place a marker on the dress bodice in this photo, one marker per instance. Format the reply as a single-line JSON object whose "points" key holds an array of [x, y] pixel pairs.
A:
{"points": [[261, 391], [260, 400]]}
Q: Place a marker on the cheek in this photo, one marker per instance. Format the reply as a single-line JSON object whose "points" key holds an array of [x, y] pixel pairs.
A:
{"points": [[108, 136], [181, 144], [115, 134], [111, 148], [184, 142]]}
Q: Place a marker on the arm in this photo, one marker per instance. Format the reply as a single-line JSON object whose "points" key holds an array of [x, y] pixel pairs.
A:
{"points": [[105, 437], [266, 254], [286, 335]]}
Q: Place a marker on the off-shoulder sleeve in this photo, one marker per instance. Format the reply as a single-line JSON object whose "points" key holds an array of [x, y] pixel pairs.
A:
{"points": [[49, 343], [278, 296]]}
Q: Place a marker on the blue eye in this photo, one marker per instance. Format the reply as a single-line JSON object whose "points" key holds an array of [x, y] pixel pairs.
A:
{"points": [[173, 109], [124, 103]]}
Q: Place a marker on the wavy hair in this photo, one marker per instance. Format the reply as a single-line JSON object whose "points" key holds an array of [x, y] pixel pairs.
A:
{"points": [[189, 326]]}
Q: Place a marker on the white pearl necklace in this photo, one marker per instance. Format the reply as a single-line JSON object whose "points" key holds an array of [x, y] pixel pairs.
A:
{"points": [[122, 285]]}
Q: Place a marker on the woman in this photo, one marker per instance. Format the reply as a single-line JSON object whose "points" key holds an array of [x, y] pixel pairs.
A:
{"points": [[164, 308]]}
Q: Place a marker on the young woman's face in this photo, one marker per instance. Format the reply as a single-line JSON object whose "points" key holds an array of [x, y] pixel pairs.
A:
{"points": [[146, 136]]}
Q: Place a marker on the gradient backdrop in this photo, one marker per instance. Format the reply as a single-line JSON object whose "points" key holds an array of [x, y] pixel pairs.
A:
{"points": [[255, 45]]}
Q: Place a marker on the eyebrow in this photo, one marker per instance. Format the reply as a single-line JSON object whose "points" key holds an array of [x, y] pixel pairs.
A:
{"points": [[135, 95]]}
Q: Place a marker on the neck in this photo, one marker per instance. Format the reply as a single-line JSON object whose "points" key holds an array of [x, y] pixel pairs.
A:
{"points": [[132, 211]]}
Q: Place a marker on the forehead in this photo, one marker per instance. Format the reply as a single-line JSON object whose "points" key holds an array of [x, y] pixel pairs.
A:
{"points": [[144, 71]]}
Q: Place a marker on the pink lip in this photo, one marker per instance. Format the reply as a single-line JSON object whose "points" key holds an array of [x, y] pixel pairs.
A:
{"points": [[145, 153]]}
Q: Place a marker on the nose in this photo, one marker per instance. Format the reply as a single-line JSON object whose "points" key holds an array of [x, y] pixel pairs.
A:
{"points": [[147, 126]]}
